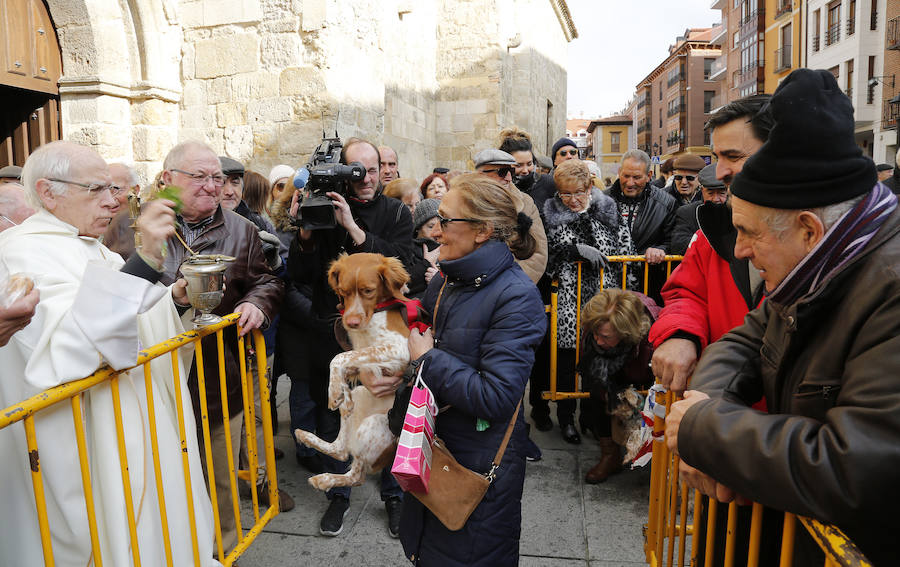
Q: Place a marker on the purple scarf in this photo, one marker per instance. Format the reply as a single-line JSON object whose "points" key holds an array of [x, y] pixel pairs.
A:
{"points": [[843, 242]]}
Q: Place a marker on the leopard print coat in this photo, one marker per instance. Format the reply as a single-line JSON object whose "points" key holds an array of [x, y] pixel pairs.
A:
{"points": [[601, 227]]}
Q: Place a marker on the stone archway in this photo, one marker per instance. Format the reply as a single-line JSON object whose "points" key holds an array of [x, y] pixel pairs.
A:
{"points": [[120, 86]]}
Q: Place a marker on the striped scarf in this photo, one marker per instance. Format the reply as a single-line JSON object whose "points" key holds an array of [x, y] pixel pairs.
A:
{"points": [[843, 242]]}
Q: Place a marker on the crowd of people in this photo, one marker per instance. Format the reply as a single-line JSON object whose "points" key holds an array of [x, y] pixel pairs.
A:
{"points": [[789, 225]]}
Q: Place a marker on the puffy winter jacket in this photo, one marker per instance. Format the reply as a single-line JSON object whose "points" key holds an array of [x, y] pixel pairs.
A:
{"points": [[488, 323]]}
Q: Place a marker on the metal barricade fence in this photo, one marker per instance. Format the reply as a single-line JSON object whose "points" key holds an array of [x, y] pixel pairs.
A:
{"points": [[668, 508], [553, 394], [29, 410], [669, 512]]}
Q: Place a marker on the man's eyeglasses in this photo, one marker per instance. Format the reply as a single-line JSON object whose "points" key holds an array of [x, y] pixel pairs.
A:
{"points": [[444, 222], [95, 189], [200, 179], [502, 172], [570, 196], [688, 177], [567, 152]]}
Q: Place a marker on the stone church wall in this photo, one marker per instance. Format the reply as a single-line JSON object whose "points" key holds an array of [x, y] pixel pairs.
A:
{"points": [[435, 79]]}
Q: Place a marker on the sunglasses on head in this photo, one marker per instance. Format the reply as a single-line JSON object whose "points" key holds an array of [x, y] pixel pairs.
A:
{"points": [[501, 171], [688, 177], [568, 152]]}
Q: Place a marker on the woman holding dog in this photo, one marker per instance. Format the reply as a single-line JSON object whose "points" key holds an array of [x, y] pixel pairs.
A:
{"points": [[488, 319]]}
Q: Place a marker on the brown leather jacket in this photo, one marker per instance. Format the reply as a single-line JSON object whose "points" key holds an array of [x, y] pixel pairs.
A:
{"points": [[829, 368], [248, 280]]}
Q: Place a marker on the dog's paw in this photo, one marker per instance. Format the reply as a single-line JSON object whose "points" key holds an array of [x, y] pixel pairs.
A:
{"points": [[303, 436], [323, 482]]}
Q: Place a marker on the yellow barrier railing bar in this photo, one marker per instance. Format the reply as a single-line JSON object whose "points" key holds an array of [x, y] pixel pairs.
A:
{"points": [[207, 445], [249, 427], [81, 442], [185, 461], [268, 434], [123, 465], [25, 411], [37, 482], [229, 450], [663, 517], [553, 394], [154, 445]]}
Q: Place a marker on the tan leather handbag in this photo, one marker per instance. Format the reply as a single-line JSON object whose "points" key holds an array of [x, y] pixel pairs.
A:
{"points": [[455, 491]]}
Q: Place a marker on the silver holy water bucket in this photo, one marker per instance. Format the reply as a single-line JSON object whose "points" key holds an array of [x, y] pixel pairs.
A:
{"points": [[205, 275]]}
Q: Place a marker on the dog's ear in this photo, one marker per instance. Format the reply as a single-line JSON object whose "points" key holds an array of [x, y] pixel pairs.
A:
{"points": [[334, 274], [394, 276]]}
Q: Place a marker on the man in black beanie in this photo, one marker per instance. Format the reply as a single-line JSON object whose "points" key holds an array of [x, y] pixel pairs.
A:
{"points": [[563, 150], [823, 350]]}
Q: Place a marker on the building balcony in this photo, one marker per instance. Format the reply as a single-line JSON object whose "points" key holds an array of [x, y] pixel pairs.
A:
{"points": [[675, 110], [893, 33], [851, 26], [890, 112], [833, 34], [873, 21], [718, 4], [783, 8], [717, 71], [752, 16], [674, 79], [721, 31], [816, 43], [783, 58], [749, 72]]}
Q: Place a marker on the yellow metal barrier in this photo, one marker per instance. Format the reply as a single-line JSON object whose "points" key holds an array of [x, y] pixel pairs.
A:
{"points": [[28, 410], [553, 394], [668, 520]]}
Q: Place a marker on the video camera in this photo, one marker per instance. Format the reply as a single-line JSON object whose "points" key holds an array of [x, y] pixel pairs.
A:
{"points": [[323, 173]]}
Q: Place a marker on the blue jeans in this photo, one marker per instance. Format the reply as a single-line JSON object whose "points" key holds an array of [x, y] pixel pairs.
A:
{"points": [[329, 427]]}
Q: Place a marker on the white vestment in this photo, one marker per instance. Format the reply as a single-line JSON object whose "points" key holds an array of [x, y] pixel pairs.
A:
{"points": [[89, 314]]}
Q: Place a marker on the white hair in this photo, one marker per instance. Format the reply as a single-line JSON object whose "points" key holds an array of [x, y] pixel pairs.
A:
{"points": [[50, 160], [133, 177], [780, 220], [637, 155], [175, 157]]}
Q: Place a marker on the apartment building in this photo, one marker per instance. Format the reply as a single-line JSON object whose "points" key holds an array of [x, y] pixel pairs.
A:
{"points": [[577, 131], [884, 89], [847, 38], [783, 41], [610, 138], [740, 68], [675, 99]]}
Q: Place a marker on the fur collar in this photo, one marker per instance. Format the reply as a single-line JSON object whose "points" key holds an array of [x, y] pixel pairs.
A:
{"points": [[278, 213], [602, 208]]}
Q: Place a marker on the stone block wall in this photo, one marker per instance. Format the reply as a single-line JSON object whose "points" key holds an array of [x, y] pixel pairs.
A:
{"points": [[259, 80]]}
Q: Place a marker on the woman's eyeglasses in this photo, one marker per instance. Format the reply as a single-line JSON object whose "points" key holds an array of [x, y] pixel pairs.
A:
{"points": [[444, 222], [570, 196]]}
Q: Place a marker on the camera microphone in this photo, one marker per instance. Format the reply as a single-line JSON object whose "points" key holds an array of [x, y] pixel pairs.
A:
{"points": [[301, 176]]}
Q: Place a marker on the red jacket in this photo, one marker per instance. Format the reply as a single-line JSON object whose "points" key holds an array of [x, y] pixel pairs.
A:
{"points": [[700, 297]]}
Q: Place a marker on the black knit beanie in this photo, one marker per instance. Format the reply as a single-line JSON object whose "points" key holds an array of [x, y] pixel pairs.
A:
{"points": [[561, 143], [811, 158]]}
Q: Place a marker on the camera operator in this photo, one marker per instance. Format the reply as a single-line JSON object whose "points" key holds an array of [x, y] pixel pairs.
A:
{"points": [[366, 221]]}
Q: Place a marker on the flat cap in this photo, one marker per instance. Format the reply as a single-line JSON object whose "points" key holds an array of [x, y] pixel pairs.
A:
{"points": [[879, 167], [11, 171], [708, 179], [231, 166], [689, 162], [493, 157]]}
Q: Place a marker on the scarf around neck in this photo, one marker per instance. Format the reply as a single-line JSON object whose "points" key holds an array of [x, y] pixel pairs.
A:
{"points": [[843, 242]]}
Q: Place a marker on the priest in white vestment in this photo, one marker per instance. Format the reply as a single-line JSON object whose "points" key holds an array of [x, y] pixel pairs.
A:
{"points": [[94, 309]]}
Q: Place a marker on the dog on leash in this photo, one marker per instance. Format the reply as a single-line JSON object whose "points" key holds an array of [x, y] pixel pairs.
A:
{"points": [[365, 284]]}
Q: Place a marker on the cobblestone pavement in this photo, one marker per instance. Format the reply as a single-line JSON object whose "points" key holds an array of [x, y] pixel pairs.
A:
{"points": [[566, 523]]}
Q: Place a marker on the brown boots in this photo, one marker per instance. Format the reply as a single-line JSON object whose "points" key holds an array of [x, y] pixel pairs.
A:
{"points": [[610, 463]]}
